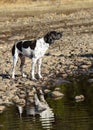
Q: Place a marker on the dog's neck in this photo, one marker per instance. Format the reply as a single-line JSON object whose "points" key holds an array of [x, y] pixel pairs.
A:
{"points": [[42, 41]]}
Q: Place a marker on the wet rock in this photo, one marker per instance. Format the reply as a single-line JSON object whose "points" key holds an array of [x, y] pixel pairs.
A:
{"points": [[57, 89], [2, 108], [60, 81], [46, 91], [64, 75], [79, 98], [57, 94], [90, 80], [21, 102]]}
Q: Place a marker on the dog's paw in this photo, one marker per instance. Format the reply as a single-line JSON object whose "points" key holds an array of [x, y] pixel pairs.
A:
{"points": [[40, 77], [34, 79], [24, 75], [13, 77]]}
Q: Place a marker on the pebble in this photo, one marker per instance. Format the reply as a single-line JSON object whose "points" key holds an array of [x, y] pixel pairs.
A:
{"points": [[3, 87], [46, 91], [56, 94], [57, 89], [79, 98]]}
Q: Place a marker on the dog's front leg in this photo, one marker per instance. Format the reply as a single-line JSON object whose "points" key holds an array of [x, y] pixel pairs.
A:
{"points": [[39, 67], [33, 68]]}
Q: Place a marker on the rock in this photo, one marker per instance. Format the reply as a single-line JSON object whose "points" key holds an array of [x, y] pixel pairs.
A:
{"points": [[84, 66], [31, 94], [64, 75], [57, 89], [3, 87], [1, 101], [30, 100], [2, 108], [22, 96], [57, 94], [15, 99], [60, 81], [21, 102], [90, 80], [79, 98], [46, 91], [72, 67]]}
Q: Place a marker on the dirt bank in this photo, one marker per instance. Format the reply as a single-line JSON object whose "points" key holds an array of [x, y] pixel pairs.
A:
{"points": [[71, 56]]}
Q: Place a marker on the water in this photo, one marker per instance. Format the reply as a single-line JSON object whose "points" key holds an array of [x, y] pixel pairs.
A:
{"points": [[66, 113]]}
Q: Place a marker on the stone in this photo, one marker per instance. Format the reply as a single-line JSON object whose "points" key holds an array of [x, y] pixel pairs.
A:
{"points": [[46, 91], [57, 89], [84, 66], [57, 94], [90, 80], [1, 101], [64, 75], [3, 87], [79, 98], [20, 102], [2, 108], [15, 99], [60, 81], [31, 94]]}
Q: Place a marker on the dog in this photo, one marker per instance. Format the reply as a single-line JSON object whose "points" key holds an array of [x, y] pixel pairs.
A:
{"points": [[35, 50]]}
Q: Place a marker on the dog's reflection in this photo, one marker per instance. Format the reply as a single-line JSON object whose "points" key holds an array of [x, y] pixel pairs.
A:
{"points": [[42, 108], [47, 118], [39, 107]]}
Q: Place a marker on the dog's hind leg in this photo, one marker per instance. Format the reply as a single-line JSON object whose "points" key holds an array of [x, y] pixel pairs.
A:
{"points": [[22, 58], [34, 60], [15, 59]]}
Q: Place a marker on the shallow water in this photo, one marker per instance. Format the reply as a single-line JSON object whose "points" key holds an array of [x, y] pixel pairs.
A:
{"points": [[67, 114]]}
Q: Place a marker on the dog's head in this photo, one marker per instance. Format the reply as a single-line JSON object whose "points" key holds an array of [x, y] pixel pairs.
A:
{"points": [[50, 37]]}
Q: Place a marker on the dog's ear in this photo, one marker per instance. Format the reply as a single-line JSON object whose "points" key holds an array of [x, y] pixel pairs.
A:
{"points": [[59, 35]]}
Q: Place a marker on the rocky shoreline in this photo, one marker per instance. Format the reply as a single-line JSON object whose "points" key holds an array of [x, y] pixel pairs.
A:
{"points": [[71, 56]]}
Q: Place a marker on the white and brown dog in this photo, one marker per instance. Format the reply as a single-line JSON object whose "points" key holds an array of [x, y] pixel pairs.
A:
{"points": [[34, 49]]}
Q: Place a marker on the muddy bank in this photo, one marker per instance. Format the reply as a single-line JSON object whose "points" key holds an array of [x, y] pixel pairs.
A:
{"points": [[71, 56]]}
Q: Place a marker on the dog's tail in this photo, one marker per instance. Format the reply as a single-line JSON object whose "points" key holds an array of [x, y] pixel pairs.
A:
{"points": [[13, 50]]}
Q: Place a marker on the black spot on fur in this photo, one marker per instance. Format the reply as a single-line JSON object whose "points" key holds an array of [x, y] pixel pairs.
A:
{"points": [[19, 46], [31, 44], [48, 39], [13, 50]]}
